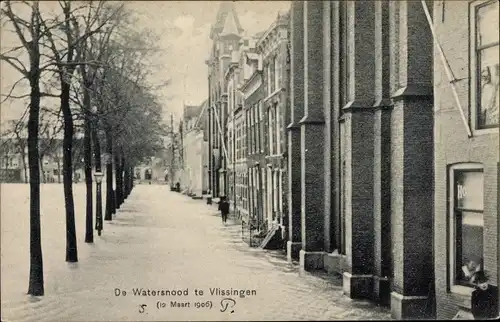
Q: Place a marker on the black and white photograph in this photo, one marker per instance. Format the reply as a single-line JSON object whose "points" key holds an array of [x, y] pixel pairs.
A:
{"points": [[249, 160]]}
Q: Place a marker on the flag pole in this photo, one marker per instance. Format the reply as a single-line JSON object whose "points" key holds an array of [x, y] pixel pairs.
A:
{"points": [[447, 68]]}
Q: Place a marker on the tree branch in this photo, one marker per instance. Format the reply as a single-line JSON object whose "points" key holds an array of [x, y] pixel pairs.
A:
{"points": [[10, 59]]}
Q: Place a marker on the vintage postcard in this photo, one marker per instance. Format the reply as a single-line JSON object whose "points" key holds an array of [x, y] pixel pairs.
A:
{"points": [[249, 160]]}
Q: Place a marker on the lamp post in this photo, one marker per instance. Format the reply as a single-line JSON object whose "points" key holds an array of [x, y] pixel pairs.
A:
{"points": [[98, 221]]}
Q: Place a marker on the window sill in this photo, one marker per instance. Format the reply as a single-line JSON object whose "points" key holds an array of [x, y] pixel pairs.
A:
{"points": [[486, 131], [462, 294]]}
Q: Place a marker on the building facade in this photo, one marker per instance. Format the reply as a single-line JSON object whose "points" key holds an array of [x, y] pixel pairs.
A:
{"points": [[237, 174], [195, 150], [14, 167], [225, 34], [465, 151], [252, 89], [393, 139], [360, 181], [273, 47]]}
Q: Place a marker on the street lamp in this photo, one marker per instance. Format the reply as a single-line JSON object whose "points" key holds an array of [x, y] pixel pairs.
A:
{"points": [[98, 179]]}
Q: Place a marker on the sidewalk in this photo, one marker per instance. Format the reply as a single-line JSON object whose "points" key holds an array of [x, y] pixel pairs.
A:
{"points": [[163, 241]]}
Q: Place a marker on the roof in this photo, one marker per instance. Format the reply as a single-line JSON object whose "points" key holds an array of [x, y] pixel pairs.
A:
{"points": [[260, 34], [252, 56], [221, 24], [203, 111], [191, 111], [282, 18]]}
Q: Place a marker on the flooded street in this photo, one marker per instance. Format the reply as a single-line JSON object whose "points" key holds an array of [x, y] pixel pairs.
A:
{"points": [[163, 257]]}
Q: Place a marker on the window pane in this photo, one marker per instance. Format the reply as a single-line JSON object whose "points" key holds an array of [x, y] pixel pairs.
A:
{"points": [[272, 75], [469, 190], [487, 20], [469, 245], [488, 87]]}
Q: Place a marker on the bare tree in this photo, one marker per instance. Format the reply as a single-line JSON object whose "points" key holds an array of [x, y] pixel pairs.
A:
{"points": [[77, 25], [93, 48], [29, 32]]}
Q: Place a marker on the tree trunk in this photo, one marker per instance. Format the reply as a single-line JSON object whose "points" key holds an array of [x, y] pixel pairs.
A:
{"points": [[97, 161], [25, 167], [129, 181], [58, 170], [118, 179], [44, 180], [71, 246], [87, 155], [126, 188], [36, 261], [109, 178], [131, 178]]}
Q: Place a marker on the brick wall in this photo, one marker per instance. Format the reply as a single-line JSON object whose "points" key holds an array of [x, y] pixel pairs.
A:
{"points": [[453, 146]]}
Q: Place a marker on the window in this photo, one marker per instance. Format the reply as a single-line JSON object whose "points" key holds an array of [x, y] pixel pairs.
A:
{"points": [[261, 127], [278, 129], [272, 73], [252, 139], [270, 113], [247, 129], [277, 75], [466, 224], [485, 64], [256, 126], [268, 74], [255, 142]]}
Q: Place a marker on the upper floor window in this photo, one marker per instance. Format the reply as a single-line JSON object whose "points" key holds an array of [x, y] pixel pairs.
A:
{"points": [[485, 64], [278, 129], [272, 72], [270, 131], [261, 127], [277, 75]]}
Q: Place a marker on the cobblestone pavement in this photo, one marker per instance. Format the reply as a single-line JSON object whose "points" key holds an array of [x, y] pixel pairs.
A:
{"points": [[162, 240]]}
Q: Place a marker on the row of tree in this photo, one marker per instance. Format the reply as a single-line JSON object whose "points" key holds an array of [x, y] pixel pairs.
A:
{"points": [[95, 60]]}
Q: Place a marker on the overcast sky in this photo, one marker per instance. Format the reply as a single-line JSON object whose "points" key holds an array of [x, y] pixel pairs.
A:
{"points": [[184, 27]]}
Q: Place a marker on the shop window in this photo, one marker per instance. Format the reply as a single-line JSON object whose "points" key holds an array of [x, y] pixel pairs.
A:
{"points": [[466, 225], [485, 69]]}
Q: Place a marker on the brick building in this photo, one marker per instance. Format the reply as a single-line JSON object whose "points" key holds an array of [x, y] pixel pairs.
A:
{"points": [[237, 168], [360, 178], [253, 91], [381, 157], [273, 47], [465, 150], [226, 34]]}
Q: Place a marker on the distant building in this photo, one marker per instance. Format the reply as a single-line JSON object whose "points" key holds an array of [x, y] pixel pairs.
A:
{"points": [[15, 168], [194, 179]]}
